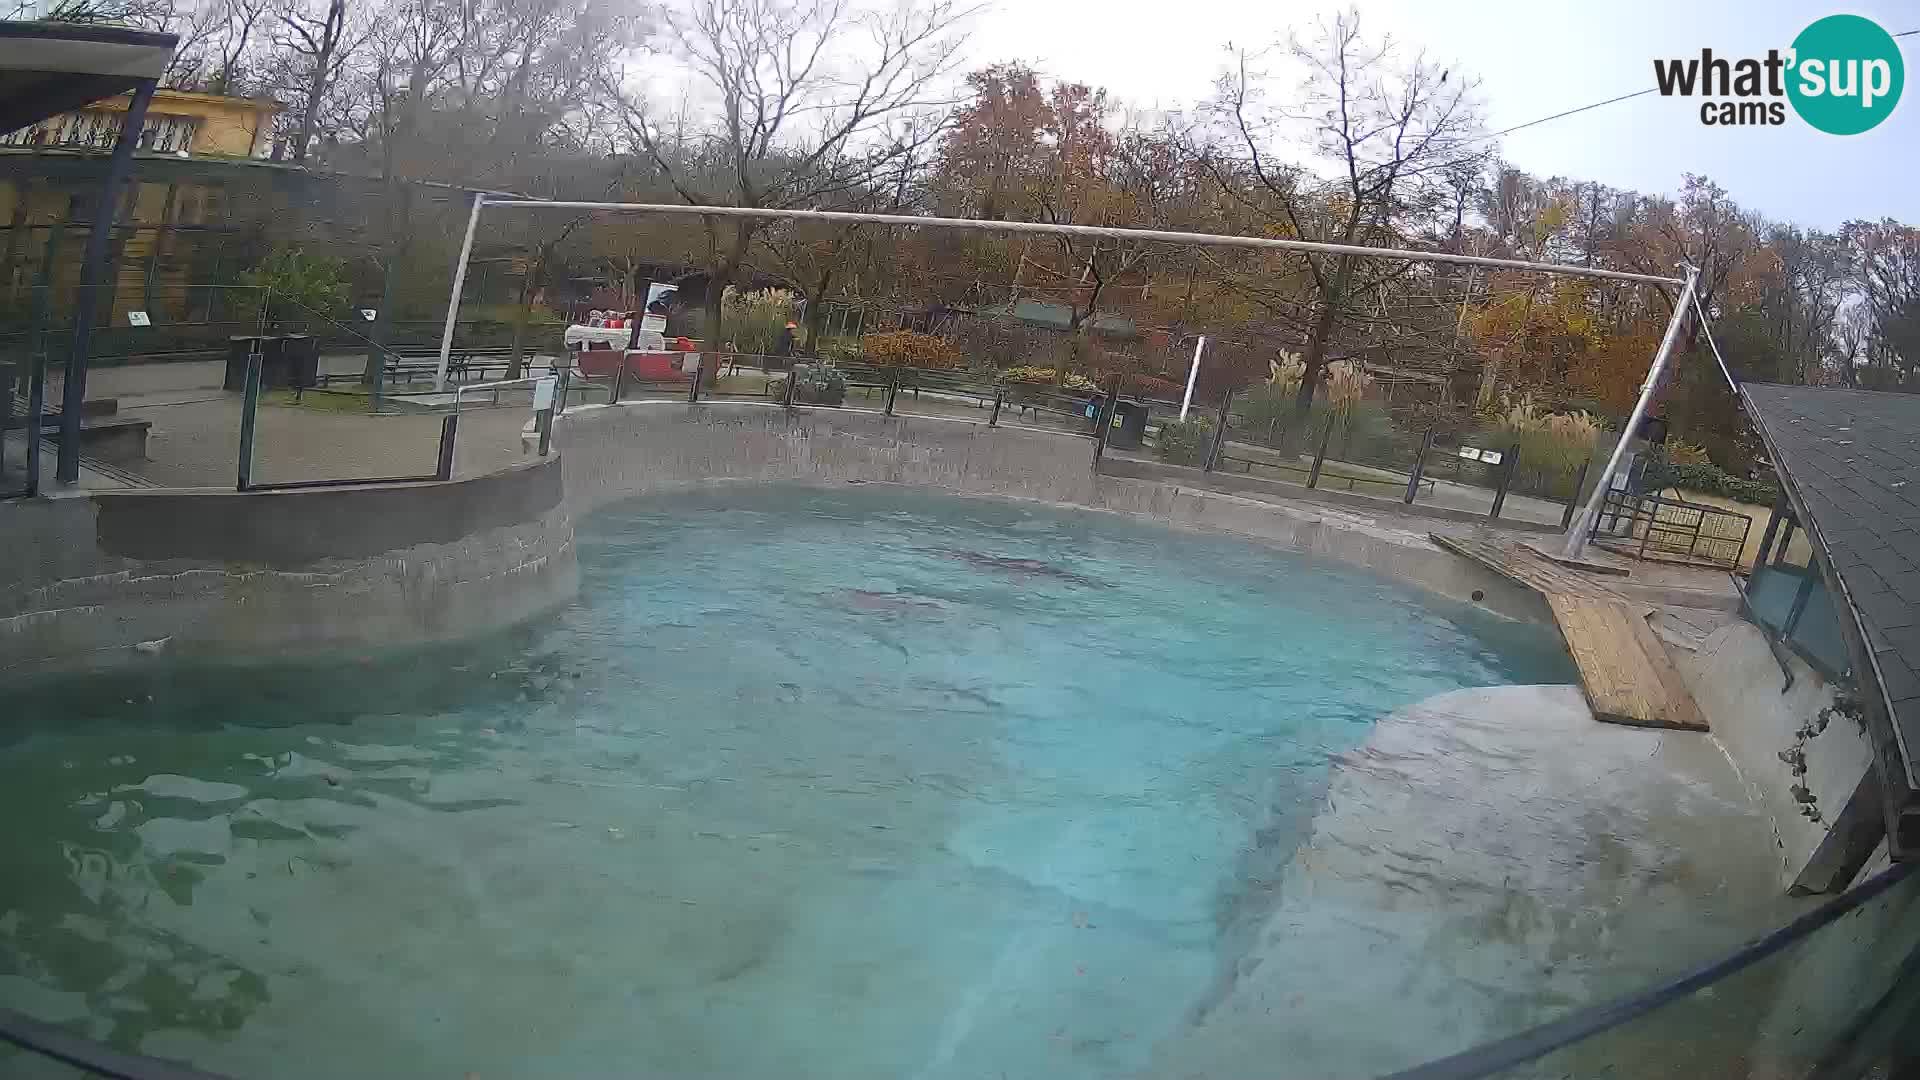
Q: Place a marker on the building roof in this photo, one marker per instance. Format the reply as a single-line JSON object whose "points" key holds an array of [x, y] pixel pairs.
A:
{"points": [[1060, 317], [47, 68], [1849, 461]]}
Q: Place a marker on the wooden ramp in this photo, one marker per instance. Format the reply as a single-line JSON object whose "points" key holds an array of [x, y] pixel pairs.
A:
{"points": [[1624, 667]]}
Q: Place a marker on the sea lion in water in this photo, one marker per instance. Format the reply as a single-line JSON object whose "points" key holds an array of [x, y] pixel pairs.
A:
{"points": [[1030, 567], [886, 603]]}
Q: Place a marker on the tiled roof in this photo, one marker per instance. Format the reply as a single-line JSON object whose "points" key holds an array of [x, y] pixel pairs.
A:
{"points": [[1851, 463]]}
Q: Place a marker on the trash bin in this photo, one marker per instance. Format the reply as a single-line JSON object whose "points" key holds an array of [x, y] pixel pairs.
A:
{"points": [[300, 360], [239, 349], [1129, 425]]}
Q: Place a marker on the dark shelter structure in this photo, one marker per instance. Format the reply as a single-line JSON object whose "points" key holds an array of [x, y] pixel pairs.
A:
{"points": [[1849, 467], [47, 68]]}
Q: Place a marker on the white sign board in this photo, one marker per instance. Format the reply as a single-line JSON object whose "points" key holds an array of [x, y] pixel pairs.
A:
{"points": [[369, 314], [659, 299], [138, 318], [543, 393], [1490, 457], [1470, 453]]}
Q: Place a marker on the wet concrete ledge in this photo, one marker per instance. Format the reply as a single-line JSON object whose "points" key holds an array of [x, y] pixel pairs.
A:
{"points": [[640, 448], [1492, 859], [105, 579]]}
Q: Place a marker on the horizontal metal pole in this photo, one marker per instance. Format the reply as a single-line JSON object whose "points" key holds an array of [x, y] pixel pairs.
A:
{"points": [[1099, 232], [345, 481], [498, 384]]}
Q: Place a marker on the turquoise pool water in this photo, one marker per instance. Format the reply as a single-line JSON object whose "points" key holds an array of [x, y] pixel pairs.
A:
{"points": [[847, 783]]}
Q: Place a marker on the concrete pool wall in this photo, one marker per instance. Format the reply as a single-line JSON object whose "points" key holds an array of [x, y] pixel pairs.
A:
{"points": [[103, 579], [614, 452]]}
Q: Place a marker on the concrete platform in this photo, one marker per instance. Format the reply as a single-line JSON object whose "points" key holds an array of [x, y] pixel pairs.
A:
{"points": [[1489, 860]]}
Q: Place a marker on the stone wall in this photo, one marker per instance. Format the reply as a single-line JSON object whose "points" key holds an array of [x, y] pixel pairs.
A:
{"points": [[646, 447], [99, 579], [1742, 690]]}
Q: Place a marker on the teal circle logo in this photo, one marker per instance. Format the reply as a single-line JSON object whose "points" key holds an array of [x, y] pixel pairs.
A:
{"points": [[1846, 76]]}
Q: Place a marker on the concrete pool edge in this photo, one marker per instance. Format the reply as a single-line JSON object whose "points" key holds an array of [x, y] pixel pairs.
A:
{"points": [[116, 579], [1470, 822], [641, 448]]}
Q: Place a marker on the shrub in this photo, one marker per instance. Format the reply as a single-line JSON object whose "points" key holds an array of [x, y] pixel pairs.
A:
{"points": [[1709, 479], [910, 348], [1681, 452], [1184, 442], [1553, 446], [753, 321], [1346, 384], [1044, 376], [301, 291], [1152, 386], [818, 384], [841, 351]]}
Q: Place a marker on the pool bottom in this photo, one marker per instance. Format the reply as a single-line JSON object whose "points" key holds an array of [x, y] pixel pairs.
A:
{"points": [[859, 784]]}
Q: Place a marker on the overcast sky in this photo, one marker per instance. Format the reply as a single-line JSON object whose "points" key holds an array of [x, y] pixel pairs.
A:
{"points": [[1533, 58]]}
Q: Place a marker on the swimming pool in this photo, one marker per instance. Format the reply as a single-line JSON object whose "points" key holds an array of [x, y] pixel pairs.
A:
{"points": [[848, 782]]}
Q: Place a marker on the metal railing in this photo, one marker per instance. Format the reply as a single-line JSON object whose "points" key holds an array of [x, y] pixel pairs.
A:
{"points": [[249, 423], [549, 399], [1457, 480], [1656, 527]]}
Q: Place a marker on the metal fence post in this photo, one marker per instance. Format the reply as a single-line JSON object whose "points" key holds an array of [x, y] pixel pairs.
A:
{"points": [[999, 395], [449, 427], [1219, 433], [73, 389], [543, 423], [249, 405], [1512, 464], [793, 376], [893, 388], [1573, 501], [1419, 466], [37, 377], [1103, 421], [619, 390], [1320, 458], [699, 372], [1780, 510]]}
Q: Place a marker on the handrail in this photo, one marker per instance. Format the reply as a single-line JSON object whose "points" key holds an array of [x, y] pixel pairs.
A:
{"points": [[496, 386]]}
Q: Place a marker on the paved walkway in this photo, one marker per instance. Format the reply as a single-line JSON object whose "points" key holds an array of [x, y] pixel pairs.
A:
{"points": [[195, 437]]}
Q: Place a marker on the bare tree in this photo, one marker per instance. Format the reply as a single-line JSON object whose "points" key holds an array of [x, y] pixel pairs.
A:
{"points": [[144, 14], [319, 41], [797, 116], [1387, 133]]}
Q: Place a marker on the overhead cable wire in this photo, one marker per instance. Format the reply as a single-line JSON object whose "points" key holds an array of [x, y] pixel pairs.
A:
{"points": [[1705, 328]]}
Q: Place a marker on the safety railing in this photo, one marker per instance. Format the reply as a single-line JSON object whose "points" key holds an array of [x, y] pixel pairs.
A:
{"points": [[548, 399], [806, 382], [1487, 477], [1653, 526]]}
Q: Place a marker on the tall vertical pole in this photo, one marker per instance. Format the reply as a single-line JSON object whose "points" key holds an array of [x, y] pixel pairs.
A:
{"points": [[1576, 541], [1193, 375], [453, 301], [73, 393]]}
